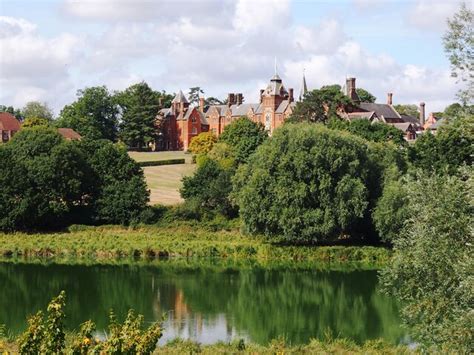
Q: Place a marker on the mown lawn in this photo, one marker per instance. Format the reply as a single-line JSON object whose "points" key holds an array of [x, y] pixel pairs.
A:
{"points": [[155, 156]]}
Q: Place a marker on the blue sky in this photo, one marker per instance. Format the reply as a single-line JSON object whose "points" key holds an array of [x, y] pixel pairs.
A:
{"points": [[50, 49]]}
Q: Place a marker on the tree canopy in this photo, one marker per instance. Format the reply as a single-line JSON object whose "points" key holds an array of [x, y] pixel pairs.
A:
{"points": [[320, 105], [194, 94], [139, 104], [243, 136], [307, 184], [365, 96], [93, 115], [410, 110], [36, 109], [202, 143]]}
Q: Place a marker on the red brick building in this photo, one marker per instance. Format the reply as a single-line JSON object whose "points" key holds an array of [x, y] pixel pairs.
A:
{"points": [[178, 124], [9, 125]]}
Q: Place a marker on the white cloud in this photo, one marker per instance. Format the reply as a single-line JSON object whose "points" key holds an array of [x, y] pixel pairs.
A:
{"points": [[432, 14], [33, 67]]}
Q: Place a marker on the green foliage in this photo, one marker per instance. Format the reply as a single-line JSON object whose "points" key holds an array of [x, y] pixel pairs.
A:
{"points": [[202, 143], [374, 132], [320, 105], [36, 109], [365, 96], [193, 95], [139, 105], [34, 121], [209, 187], [94, 115], [243, 137], [49, 337], [306, 184], [121, 191], [44, 180], [459, 46], [450, 148], [431, 271], [162, 162], [410, 110]]}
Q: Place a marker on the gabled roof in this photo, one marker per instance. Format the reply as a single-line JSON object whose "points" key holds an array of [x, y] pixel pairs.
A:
{"points": [[413, 120], [8, 122], [180, 98], [384, 111], [402, 126], [361, 115], [275, 87], [243, 109], [69, 133]]}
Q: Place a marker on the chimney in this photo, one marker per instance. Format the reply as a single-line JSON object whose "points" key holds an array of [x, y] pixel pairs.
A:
{"points": [[290, 94], [422, 113], [389, 98], [230, 99], [160, 101], [238, 99], [201, 104], [261, 95], [350, 86]]}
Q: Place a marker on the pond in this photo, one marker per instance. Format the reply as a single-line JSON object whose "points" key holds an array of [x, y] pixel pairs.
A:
{"points": [[208, 303]]}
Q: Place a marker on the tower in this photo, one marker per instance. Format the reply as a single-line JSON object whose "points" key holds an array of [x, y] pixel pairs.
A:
{"points": [[304, 88]]}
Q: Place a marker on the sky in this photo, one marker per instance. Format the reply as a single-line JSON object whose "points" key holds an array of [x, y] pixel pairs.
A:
{"points": [[50, 49]]}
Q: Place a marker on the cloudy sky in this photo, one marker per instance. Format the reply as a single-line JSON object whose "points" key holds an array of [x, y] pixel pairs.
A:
{"points": [[51, 48]]}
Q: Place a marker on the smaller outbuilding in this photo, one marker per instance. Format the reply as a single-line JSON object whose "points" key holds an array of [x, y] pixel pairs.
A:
{"points": [[9, 125]]}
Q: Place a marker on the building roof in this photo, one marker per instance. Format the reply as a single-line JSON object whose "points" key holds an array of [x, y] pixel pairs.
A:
{"points": [[384, 111], [438, 123], [243, 109], [8, 122], [410, 119], [361, 115], [180, 98], [402, 126], [275, 87], [69, 133]]}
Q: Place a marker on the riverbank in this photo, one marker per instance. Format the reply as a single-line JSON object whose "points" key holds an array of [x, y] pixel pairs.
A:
{"points": [[112, 243], [278, 346]]}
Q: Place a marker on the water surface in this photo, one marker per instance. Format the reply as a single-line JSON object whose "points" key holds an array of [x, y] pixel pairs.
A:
{"points": [[208, 304]]}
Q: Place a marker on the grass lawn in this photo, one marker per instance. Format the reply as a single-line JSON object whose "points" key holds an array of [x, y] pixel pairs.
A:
{"points": [[155, 156], [164, 182]]}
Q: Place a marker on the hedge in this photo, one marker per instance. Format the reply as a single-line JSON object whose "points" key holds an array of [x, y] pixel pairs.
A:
{"points": [[161, 162]]}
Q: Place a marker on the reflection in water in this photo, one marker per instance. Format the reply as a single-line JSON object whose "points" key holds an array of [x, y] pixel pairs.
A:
{"points": [[208, 305]]}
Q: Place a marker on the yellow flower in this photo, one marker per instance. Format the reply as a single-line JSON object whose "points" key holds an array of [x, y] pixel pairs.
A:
{"points": [[86, 341]]}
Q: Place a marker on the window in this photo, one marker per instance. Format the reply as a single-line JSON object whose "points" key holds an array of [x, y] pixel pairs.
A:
{"points": [[268, 121], [5, 136], [194, 130]]}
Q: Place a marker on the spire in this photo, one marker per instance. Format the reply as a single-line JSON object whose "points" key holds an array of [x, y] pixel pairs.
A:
{"points": [[304, 88], [180, 98]]}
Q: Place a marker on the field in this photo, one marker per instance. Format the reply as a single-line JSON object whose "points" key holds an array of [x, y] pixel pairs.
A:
{"points": [[164, 181]]}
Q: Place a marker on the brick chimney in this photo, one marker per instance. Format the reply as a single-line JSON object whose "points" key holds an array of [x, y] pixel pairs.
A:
{"points": [[201, 104], [351, 90], [261, 95], [290, 95], [230, 99], [238, 98], [389, 98], [422, 113]]}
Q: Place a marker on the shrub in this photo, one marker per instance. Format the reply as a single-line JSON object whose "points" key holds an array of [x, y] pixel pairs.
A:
{"points": [[202, 143], [431, 270], [161, 162], [307, 183]]}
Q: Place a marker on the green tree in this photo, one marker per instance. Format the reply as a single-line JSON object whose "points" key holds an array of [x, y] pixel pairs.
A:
{"points": [[209, 187], [365, 96], [93, 115], [36, 109], [410, 110], [243, 137], [34, 121], [307, 184], [431, 270], [120, 188], [202, 143], [15, 112], [139, 104], [213, 101], [459, 46], [320, 105], [194, 94], [44, 180]]}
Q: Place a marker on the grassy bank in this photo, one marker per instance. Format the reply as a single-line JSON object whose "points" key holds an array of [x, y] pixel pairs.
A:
{"points": [[278, 346], [183, 241]]}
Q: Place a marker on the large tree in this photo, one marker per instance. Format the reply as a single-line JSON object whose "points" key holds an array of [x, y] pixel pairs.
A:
{"points": [[410, 110], [140, 105], [431, 270], [243, 137], [365, 96], [94, 114], [36, 109], [194, 94], [320, 105], [305, 184], [459, 46]]}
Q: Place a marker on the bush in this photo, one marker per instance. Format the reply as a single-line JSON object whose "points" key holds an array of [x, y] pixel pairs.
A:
{"points": [[161, 162], [431, 270], [307, 184], [243, 136], [202, 143]]}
